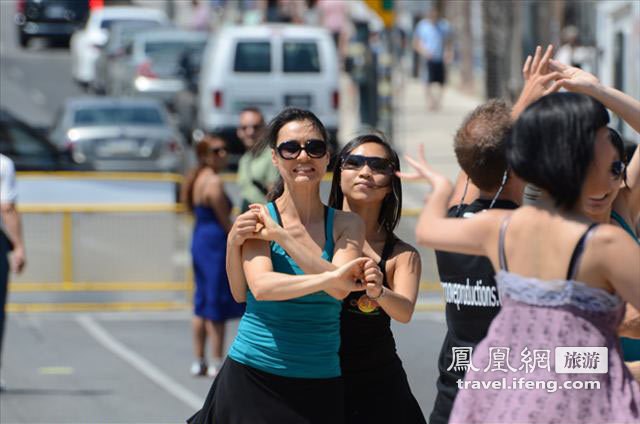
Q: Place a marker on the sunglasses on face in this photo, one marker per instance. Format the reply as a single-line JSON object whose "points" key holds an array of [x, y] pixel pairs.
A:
{"points": [[377, 165], [291, 149], [253, 127], [617, 169], [218, 151]]}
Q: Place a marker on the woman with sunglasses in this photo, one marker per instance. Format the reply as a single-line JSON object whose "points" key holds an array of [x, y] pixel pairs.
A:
{"points": [[563, 280], [283, 366], [614, 191], [364, 182], [204, 195]]}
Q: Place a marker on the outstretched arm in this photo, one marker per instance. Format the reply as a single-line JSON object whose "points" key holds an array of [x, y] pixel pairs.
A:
{"points": [[473, 236], [266, 284]]}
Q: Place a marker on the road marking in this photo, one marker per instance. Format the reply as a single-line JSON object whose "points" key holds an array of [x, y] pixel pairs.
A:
{"points": [[96, 307], [140, 363], [55, 370]]}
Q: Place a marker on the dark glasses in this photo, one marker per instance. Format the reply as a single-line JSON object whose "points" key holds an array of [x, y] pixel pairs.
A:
{"points": [[219, 151], [617, 169], [291, 149], [377, 165], [254, 127]]}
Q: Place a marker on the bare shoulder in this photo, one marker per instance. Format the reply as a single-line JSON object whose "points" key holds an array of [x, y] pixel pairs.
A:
{"points": [[404, 253], [607, 235], [348, 222]]}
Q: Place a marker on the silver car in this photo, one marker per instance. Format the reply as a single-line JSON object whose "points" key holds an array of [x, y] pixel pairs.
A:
{"points": [[120, 36], [119, 134], [152, 65]]}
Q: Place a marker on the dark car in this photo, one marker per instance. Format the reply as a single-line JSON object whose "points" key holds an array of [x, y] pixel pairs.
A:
{"points": [[29, 149], [54, 19]]}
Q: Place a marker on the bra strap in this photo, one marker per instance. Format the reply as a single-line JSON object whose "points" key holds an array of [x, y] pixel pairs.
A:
{"points": [[577, 252], [501, 256]]}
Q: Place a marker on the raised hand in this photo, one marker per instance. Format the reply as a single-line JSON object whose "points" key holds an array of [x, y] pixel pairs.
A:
{"points": [[537, 79], [423, 170], [372, 279], [572, 78]]}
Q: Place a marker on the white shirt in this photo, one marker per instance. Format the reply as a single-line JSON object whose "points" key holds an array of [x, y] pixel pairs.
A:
{"points": [[8, 192]]}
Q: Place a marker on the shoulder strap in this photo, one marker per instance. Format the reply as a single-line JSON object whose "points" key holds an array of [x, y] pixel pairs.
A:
{"points": [[577, 252], [501, 256], [275, 213], [624, 225]]}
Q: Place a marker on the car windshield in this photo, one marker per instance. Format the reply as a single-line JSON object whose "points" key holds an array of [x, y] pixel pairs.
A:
{"points": [[300, 57], [253, 57], [118, 115], [107, 23], [171, 50]]}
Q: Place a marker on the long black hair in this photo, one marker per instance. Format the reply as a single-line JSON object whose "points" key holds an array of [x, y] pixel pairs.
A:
{"points": [[392, 203], [552, 144], [270, 138]]}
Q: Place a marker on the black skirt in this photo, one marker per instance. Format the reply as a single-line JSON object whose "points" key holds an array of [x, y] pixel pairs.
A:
{"points": [[241, 394], [381, 396]]}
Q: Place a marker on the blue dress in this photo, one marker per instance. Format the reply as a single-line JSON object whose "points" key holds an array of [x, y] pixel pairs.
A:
{"points": [[212, 299]]}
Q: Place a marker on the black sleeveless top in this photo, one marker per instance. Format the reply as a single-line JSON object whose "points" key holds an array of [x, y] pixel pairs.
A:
{"points": [[365, 328]]}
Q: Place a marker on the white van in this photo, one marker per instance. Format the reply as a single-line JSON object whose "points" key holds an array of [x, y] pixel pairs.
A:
{"points": [[269, 67]]}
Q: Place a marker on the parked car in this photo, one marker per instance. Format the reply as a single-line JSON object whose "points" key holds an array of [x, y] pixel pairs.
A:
{"points": [[120, 35], [269, 67], [151, 67], [29, 147], [51, 19], [119, 134], [86, 43]]}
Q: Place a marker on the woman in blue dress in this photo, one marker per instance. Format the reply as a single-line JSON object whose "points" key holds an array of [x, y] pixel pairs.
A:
{"points": [[204, 195], [284, 366]]}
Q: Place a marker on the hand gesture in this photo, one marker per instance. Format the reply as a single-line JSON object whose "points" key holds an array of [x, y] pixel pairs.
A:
{"points": [[423, 170], [350, 275], [537, 78], [244, 227], [373, 279], [267, 229], [573, 79]]}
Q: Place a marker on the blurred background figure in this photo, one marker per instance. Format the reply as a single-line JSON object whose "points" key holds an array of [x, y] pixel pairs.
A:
{"points": [[256, 173], [204, 195], [201, 15], [333, 15], [572, 53], [432, 41], [12, 255]]}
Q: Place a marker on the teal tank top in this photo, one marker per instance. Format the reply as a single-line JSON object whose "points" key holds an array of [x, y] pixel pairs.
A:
{"points": [[292, 338], [630, 347]]}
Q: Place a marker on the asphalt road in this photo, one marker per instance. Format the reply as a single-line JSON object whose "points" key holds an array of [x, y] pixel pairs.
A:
{"points": [[127, 367]]}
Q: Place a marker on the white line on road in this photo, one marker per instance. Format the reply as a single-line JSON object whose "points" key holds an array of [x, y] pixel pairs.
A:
{"points": [[140, 363]]}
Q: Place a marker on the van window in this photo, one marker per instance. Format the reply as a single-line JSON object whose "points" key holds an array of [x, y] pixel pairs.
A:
{"points": [[300, 57], [252, 57]]}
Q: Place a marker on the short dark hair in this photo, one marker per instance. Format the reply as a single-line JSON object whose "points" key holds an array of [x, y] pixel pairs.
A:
{"points": [[252, 109], [392, 204], [270, 137], [552, 143], [480, 143]]}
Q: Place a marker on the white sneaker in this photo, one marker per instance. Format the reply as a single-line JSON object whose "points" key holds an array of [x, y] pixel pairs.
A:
{"points": [[212, 371], [198, 368]]}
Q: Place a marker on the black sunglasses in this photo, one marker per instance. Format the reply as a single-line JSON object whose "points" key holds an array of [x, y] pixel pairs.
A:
{"points": [[219, 151], [291, 149], [254, 127], [377, 165], [617, 169]]}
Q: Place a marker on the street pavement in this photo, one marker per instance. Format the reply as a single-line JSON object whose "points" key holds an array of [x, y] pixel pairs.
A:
{"points": [[132, 367]]}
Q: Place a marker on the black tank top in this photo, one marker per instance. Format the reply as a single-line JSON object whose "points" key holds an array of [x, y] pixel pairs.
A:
{"points": [[365, 328]]}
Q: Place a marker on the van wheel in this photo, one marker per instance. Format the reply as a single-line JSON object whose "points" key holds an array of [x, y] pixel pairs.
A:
{"points": [[23, 39]]}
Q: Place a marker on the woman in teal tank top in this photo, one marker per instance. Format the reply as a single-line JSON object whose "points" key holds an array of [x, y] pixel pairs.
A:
{"points": [[283, 366]]}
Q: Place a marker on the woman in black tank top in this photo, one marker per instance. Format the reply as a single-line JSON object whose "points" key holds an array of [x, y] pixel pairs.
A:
{"points": [[364, 182]]}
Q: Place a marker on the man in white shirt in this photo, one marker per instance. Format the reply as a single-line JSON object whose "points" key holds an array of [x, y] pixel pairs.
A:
{"points": [[10, 236]]}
